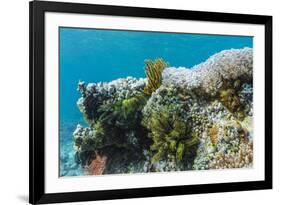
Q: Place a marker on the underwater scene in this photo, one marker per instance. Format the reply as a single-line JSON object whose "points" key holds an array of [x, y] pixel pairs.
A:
{"points": [[143, 101]]}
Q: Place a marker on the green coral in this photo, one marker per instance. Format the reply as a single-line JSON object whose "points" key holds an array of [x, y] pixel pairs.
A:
{"points": [[98, 128], [153, 71], [116, 128], [172, 136], [231, 101], [123, 113], [119, 123]]}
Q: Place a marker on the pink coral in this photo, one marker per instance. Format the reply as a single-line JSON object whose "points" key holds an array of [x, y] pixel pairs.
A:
{"points": [[97, 166]]}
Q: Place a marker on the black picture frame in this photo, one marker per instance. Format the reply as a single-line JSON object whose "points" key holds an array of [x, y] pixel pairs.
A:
{"points": [[37, 10]]}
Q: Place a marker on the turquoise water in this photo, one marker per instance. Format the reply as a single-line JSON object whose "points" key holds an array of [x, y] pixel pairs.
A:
{"points": [[94, 55]]}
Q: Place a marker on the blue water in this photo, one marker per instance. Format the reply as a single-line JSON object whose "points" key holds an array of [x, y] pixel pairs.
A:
{"points": [[94, 55]]}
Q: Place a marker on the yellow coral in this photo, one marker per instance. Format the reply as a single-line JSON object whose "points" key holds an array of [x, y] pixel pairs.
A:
{"points": [[247, 124], [153, 71], [213, 133], [171, 136]]}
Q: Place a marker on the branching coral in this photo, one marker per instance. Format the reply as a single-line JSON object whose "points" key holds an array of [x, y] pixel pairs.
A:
{"points": [[153, 71]]}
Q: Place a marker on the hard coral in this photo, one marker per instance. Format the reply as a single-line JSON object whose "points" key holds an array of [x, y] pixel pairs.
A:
{"points": [[210, 76], [232, 148]]}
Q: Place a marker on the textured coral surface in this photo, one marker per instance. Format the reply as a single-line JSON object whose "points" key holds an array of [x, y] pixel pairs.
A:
{"points": [[175, 119]]}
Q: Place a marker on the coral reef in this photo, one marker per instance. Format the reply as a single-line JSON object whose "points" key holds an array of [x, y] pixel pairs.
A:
{"points": [[233, 148], [175, 119], [172, 118], [96, 94], [113, 112]]}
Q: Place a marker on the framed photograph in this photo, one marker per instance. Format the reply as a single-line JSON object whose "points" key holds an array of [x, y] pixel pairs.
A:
{"points": [[141, 102]]}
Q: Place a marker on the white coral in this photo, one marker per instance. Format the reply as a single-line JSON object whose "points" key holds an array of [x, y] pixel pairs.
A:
{"points": [[123, 87], [209, 75]]}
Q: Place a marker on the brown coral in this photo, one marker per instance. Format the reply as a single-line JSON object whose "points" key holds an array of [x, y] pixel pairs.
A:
{"points": [[213, 133], [232, 102], [241, 159]]}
